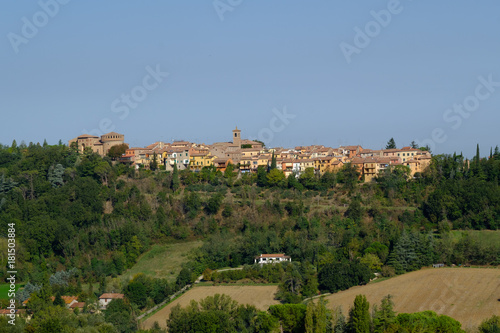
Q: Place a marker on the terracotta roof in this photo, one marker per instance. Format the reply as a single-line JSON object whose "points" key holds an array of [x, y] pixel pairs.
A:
{"points": [[79, 305], [279, 255], [111, 296], [87, 136], [222, 160], [66, 299], [7, 311]]}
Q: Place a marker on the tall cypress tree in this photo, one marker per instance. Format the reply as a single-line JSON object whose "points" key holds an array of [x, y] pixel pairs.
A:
{"points": [[477, 158], [175, 179], [359, 316], [273, 162]]}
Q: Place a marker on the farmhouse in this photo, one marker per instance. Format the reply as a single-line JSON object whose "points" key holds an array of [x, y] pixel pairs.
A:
{"points": [[104, 299], [271, 258]]}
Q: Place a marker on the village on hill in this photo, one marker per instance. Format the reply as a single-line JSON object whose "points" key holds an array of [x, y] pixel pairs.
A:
{"points": [[248, 156]]}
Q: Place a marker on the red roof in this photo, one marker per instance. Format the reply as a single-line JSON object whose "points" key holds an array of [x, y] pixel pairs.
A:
{"points": [[79, 305], [280, 255], [111, 296]]}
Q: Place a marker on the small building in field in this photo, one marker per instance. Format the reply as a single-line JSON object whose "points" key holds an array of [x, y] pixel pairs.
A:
{"points": [[437, 265], [106, 298], [271, 258]]}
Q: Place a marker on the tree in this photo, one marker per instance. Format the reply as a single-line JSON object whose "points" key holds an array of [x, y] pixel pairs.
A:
{"points": [[153, 164], [404, 256], [425, 322], [372, 261], [103, 169], [55, 176], [58, 301], [385, 316], [136, 293], [316, 320], [175, 183], [294, 183], [117, 151], [393, 179], [261, 176], [273, 162], [213, 204], [308, 179], [491, 325], [291, 316], [275, 177], [120, 315], [349, 176], [414, 145], [333, 277], [391, 144], [355, 211], [359, 316]]}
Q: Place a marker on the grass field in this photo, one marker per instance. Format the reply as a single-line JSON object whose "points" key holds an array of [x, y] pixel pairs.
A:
{"points": [[259, 296], [4, 290], [162, 261], [469, 295], [485, 237]]}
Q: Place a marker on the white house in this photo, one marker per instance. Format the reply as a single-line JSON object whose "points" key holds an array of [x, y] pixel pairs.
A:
{"points": [[104, 299], [271, 258]]}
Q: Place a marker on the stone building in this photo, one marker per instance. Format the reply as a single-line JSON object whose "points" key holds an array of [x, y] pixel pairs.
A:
{"points": [[99, 145]]}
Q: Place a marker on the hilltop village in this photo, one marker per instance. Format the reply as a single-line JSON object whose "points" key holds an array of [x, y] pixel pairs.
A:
{"points": [[248, 155]]}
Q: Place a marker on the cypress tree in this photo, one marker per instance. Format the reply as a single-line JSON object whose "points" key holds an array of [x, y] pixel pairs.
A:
{"points": [[359, 316], [175, 178], [273, 162]]}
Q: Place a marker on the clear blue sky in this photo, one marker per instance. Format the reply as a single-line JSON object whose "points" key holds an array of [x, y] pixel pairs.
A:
{"points": [[263, 55]]}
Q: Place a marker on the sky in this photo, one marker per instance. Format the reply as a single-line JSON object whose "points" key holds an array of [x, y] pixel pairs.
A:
{"points": [[285, 72]]}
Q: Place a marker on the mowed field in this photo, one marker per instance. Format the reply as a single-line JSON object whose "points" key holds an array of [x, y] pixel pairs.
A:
{"points": [[259, 296], [162, 261], [484, 237], [469, 295], [4, 290]]}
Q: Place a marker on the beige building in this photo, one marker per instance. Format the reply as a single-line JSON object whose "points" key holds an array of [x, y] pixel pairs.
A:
{"points": [[98, 145]]}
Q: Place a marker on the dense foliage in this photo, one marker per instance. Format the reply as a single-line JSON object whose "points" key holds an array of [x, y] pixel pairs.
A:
{"points": [[221, 314]]}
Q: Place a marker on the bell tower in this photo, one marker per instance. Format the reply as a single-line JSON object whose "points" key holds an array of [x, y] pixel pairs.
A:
{"points": [[237, 137]]}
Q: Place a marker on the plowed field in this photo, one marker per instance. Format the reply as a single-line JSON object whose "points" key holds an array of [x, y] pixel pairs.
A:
{"points": [[469, 295]]}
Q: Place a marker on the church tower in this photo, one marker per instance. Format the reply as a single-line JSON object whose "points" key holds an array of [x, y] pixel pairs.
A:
{"points": [[237, 137]]}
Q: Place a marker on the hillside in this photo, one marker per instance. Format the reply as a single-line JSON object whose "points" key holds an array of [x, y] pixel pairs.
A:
{"points": [[469, 295]]}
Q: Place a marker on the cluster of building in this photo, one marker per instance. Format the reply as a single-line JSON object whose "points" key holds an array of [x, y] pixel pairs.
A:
{"points": [[248, 155], [72, 302]]}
